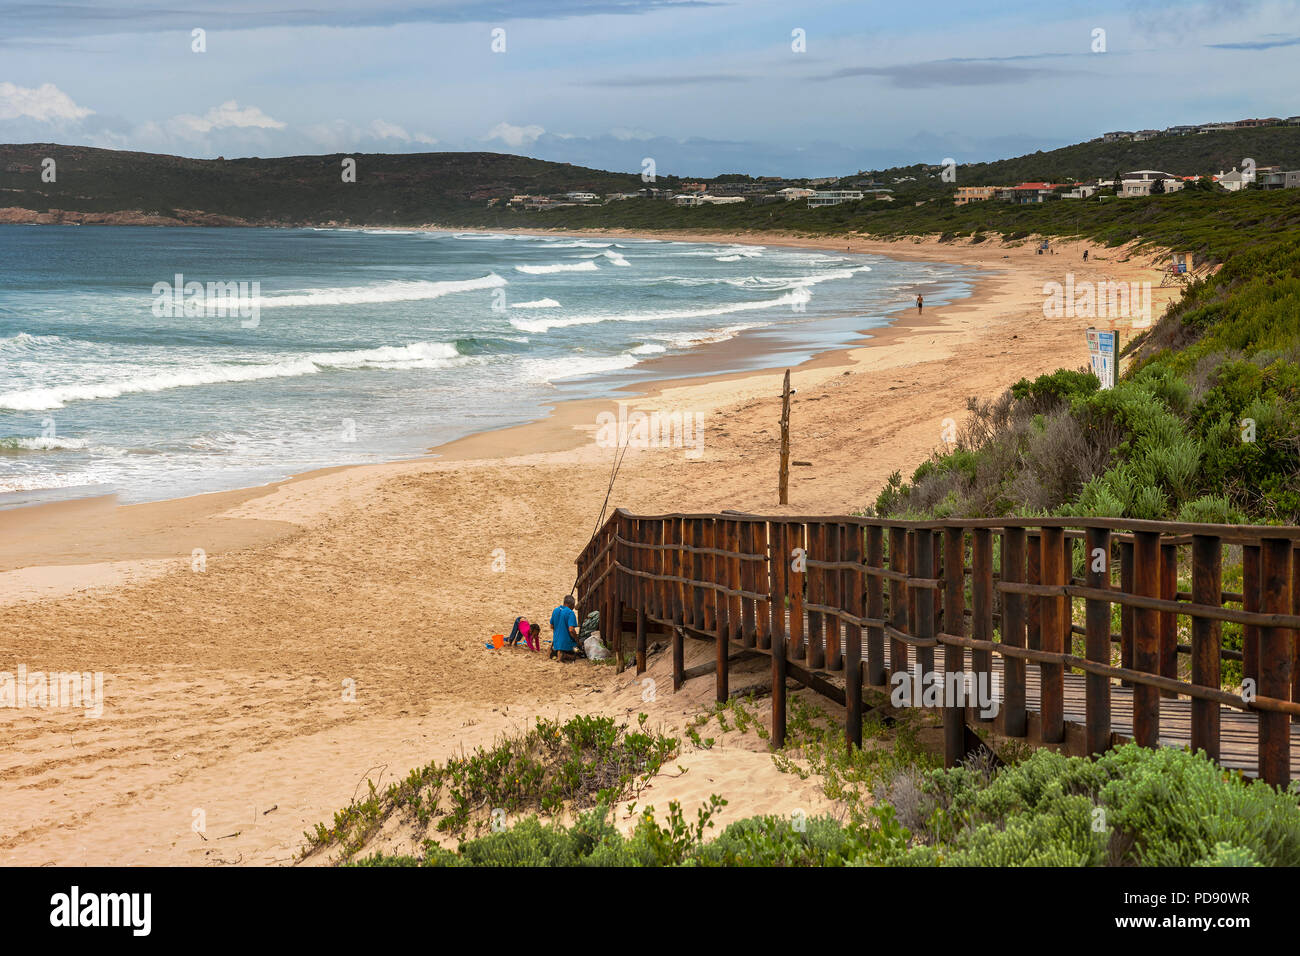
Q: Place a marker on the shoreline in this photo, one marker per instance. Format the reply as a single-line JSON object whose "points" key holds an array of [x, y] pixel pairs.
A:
{"points": [[335, 632], [134, 539]]}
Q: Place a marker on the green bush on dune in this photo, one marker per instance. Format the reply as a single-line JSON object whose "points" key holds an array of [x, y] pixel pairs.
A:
{"points": [[1205, 426], [1130, 807]]}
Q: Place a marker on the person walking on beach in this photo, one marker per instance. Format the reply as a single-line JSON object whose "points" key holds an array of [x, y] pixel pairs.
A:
{"points": [[1085, 255], [564, 630], [920, 301]]}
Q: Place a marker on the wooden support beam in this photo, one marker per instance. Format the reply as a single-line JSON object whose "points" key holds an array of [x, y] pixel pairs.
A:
{"points": [[1207, 588], [1097, 641], [954, 656], [1275, 662]]}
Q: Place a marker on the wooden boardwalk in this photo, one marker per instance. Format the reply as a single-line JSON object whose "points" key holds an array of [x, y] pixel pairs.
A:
{"points": [[841, 603]]}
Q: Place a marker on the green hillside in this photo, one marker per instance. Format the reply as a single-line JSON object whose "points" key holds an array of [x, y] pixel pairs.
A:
{"points": [[390, 189], [455, 188]]}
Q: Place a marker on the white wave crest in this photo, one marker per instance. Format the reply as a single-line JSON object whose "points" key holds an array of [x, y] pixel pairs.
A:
{"points": [[587, 265], [417, 355], [395, 291], [537, 304], [793, 297]]}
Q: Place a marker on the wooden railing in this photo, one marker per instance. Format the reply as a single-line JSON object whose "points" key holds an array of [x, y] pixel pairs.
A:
{"points": [[867, 600]]}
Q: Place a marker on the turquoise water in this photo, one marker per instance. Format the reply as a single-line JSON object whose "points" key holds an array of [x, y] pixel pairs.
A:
{"points": [[356, 346]]}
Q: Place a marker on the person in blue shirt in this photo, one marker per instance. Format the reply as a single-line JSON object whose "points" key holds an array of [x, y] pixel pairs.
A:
{"points": [[564, 630]]}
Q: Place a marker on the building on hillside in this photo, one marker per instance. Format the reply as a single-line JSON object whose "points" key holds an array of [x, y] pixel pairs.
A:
{"points": [[1116, 136], [708, 200], [1252, 123], [695, 187], [822, 181], [686, 199], [833, 197], [1293, 121], [1181, 130], [1276, 178], [580, 197], [1142, 135], [1215, 127], [795, 192], [1081, 191], [1234, 181], [970, 194], [1027, 193]]}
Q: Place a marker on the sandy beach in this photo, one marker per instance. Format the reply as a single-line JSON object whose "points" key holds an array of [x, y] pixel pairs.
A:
{"points": [[334, 627]]}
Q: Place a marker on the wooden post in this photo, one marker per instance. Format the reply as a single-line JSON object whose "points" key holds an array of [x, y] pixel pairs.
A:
{"points": [[924, 620], [1126, 612], [1146, 638], [793, 538], [898, 599], [1295, 634], [1207, 588], [783, 481], [762, 579], [1034, 575], [1168, 619], [1097, 641], [1013, 632], [779, 578], [816, 656], [1052, 619], [640, 640], [697, 575], [1250, 574], [876, 607], [1275, 662], [832, 596], [954, 657], [852, 600], [981, 599]]}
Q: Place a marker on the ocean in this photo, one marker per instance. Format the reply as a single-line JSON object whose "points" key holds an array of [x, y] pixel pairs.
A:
{"points": [[158, 362]]}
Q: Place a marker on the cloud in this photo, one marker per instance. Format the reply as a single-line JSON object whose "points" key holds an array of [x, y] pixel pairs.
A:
{"points": [[915, 76], [145, 16], [382, 129], [515, 136], [46, 103], [226, 116], [696, 80], [1268, 42]]}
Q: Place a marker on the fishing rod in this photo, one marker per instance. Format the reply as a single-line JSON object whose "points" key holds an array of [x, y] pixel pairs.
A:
{"points": [[620, 453]]}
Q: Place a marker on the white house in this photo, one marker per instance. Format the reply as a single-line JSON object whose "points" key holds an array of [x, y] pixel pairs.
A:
{"points": [[794, 192], [834, 197], [1234, 181]]}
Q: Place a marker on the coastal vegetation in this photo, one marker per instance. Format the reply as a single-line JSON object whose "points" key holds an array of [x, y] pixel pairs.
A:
{"points": [[1203, 426], [580, 763], [895, 807]]}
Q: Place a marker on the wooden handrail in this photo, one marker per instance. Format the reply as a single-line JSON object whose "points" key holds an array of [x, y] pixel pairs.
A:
{"points": [[828, 595]]}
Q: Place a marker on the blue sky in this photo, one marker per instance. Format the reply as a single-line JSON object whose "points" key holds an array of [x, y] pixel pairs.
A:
{"points": [[701, 86]]}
